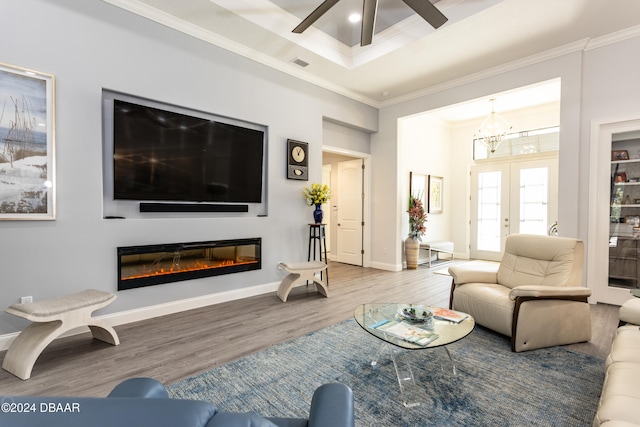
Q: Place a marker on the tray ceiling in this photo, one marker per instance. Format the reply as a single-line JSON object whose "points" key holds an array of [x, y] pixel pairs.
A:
{"points": [[407, 57]]}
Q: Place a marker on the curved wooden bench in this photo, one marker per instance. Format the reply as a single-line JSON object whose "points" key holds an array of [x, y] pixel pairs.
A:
{"points": [[51, 318], [299, 273]]}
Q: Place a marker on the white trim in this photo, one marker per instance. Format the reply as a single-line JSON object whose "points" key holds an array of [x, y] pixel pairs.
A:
{"points": [[366, 188], [247, 52], [618, 36], [170, 21], [385, 266], [490, 72], [172, 307], [598, 213]]}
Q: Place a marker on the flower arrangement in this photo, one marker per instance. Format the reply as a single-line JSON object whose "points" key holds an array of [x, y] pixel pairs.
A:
{"points": [[417, 218], [317, 194]]}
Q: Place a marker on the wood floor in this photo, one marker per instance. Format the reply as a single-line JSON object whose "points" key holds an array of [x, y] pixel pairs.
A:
{"points": [[177, 346]]}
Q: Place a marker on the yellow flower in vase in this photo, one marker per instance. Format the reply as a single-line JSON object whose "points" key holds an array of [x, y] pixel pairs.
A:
{"points": [[317, 195]]}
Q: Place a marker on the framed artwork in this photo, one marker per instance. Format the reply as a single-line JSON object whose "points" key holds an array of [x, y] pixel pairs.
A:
{"points": [[27, 144], [297, 160], [619, 155], [633, 220], [620, 177], [435, 194], [418, 186]]}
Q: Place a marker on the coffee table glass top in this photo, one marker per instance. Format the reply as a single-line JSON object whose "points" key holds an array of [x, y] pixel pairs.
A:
{"points": [[376, 319]]}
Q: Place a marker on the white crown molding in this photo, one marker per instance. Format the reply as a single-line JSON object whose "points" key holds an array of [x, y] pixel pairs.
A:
{"points": [[165, 19], [618, 36], [583, 45], [490, 72], [234, 47]]}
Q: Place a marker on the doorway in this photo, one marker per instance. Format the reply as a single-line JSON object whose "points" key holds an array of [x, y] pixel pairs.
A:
{"points": [[348, 207], [509, 198]]}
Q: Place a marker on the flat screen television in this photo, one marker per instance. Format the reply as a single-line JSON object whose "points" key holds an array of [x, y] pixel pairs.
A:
{"points": [[161, 155]]}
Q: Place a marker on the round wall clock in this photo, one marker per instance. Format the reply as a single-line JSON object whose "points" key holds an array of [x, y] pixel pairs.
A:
{"points": [[297, 160]]}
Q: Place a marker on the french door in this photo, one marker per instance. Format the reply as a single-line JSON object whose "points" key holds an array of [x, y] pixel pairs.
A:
{"points": [[510, 198]]}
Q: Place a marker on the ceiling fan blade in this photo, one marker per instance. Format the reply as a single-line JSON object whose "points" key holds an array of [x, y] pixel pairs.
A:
{"points": [[428, 11], [313, 16], [369, 12]]}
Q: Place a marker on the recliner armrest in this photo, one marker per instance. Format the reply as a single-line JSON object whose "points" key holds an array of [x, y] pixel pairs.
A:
{"points": [[463, 275], [140, 387], [535, 291], [332, 406], [630, 311]]}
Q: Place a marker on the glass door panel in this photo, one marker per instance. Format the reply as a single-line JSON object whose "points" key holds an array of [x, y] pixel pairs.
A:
{"points": [[489, 210], [624, 212], [534, 192]]}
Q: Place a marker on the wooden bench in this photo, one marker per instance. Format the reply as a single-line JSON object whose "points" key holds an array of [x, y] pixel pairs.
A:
{"points": [[299, 273], [51, 318], [438, 247]]}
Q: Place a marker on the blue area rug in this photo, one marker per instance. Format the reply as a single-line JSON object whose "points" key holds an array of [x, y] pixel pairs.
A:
{"points": [[492, 387]]}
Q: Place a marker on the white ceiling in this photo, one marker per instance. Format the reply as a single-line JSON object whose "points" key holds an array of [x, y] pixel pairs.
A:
{"points": [[407, 58]]}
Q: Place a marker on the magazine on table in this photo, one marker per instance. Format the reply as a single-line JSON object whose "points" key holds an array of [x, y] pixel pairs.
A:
{"points": [[450, 315], [406, 332]]}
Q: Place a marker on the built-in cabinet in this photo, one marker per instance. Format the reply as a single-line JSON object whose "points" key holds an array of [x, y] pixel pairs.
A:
{"points": [[624, 235]]}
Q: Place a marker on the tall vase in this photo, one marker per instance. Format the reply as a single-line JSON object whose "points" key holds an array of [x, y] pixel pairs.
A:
{"points": [[318, 214], [411, 249]]}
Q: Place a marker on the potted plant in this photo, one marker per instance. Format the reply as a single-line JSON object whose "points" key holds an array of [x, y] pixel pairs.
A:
{"points": [[317, 195], [417, 228]]}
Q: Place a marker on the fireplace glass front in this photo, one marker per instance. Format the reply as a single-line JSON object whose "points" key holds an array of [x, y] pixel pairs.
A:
{"points": [[149, 265]]}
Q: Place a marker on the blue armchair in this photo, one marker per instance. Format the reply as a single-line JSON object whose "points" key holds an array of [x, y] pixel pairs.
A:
{"points": [[144, 402]]}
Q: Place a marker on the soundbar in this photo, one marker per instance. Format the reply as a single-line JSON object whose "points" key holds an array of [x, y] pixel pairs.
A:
{"points": [[187, 207]]}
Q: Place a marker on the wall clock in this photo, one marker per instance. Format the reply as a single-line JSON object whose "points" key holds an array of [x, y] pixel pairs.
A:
{"points": [[297, 160]]}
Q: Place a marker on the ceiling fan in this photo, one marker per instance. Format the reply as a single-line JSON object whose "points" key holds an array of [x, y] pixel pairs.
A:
{"points": [[424, 8]]}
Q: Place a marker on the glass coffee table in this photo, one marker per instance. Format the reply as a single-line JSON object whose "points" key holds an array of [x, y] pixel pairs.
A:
{"points": [[403, 327]]}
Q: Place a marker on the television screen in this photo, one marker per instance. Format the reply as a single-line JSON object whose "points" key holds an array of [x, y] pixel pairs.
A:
{"points": [[167, 156]]}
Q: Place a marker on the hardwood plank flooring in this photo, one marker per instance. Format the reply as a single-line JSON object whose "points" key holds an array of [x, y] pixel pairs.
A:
{"points": [[177, 346]]}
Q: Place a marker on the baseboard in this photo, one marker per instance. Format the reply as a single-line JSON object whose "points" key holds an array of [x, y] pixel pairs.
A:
{"points": [[385, 266], [144, 313]]}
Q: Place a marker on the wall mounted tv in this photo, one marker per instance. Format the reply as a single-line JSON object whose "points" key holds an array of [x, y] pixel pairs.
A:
{"points": [[163, 153]]}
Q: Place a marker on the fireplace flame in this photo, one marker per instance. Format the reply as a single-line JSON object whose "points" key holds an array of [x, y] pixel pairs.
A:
{"points": [[186, 268]]}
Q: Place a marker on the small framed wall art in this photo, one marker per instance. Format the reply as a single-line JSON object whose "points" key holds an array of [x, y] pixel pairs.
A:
{"points": [[27, 156], [619, 155], [297, 160], [418, 187], [435, 194]]}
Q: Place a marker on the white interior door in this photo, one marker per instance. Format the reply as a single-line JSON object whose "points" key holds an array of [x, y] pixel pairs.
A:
{"points": [[326, 179], [350, 212], [509, 198]]}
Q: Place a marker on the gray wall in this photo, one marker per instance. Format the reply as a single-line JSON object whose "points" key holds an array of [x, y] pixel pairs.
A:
{"points": [[596, 82], [89, 45]]}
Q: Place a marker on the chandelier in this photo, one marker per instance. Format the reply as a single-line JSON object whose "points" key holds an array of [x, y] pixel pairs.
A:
{"points": [[493, 129]]}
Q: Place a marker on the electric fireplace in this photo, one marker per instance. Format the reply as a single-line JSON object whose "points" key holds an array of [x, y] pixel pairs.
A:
{"points": [[149, 265]]}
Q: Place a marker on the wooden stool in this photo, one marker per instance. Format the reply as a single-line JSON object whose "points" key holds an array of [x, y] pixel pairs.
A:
{"points": [[52, 318], [299, 273]]}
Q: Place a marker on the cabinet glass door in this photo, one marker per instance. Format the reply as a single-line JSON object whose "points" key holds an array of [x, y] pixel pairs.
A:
{"points": [[624, 214]]}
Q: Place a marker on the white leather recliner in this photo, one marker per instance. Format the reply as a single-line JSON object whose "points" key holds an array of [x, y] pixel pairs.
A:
{"points": [[535, 296]]}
